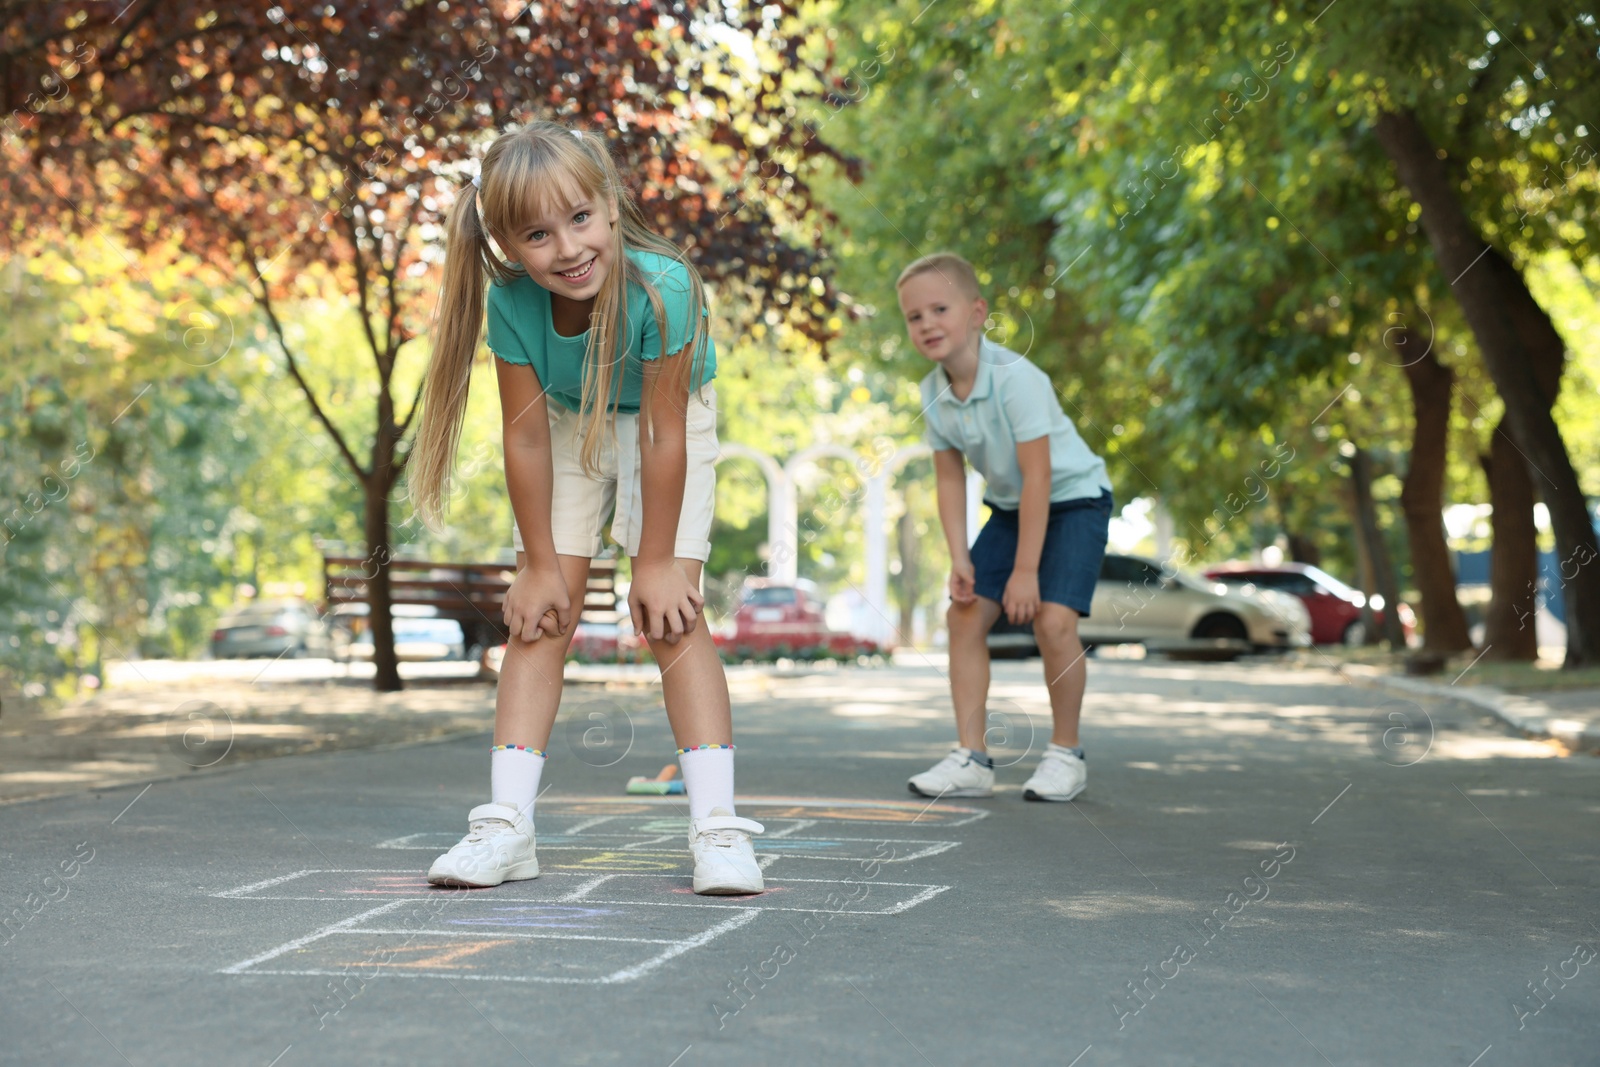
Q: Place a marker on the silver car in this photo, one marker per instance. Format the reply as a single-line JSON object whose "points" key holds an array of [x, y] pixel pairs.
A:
{"points": [[1140, 601], [270, 628]]}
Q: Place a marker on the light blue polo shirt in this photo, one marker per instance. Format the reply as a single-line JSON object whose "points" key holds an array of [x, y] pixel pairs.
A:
{"points": [[1012, 400], [522, 331]]}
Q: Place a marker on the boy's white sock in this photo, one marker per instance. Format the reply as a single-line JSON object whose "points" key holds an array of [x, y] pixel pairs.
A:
{"points": [[707, 778], [514, 772]]}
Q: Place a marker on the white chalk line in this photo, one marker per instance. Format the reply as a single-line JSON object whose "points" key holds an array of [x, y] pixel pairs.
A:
{"points": [[485, 895], [733, 922], [626, 974], [921, 898], [487, 933], [267, 884], [301, 942], [927, 847], [587, 887], [660, 839]]}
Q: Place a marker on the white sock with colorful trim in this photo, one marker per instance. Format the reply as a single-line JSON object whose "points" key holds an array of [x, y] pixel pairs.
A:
{"points": [[707, 778], [514, 772]]}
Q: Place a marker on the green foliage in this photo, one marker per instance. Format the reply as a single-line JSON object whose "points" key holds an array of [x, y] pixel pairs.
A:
{"points": [[1181, 214]]}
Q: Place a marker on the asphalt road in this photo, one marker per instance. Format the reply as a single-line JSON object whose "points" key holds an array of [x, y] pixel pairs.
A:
{"points": [[1269, 866]]}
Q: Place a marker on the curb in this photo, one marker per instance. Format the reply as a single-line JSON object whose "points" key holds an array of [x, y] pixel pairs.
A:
{"points": [[1527, 714]]}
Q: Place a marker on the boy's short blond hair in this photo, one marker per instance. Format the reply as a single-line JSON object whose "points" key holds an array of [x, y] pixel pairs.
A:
{"points": [[956, 270]]}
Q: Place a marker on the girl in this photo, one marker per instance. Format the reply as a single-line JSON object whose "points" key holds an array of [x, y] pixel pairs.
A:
{"points": [[605, 376]]}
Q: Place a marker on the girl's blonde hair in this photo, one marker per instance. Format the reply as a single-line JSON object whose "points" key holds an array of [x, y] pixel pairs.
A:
{"points": [[536, 172]]}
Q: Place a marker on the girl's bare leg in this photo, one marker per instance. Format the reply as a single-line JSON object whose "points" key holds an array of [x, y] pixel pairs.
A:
{"points": [[529, 694], [693, 684]]}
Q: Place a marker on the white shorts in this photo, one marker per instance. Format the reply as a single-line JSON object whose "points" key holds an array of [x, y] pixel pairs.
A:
{"points": [[580, 504]]}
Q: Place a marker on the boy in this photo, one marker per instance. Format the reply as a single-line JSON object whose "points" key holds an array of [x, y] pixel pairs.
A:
{"points": [[1039, 554]]}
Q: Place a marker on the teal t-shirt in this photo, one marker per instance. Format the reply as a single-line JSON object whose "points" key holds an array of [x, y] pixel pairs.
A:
{"points": [[522, 331]]}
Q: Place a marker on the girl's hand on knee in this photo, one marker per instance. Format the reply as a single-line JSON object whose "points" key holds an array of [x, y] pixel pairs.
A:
{"points": [[663, 602], [963, 582], [537, 604], [1021, 598]]}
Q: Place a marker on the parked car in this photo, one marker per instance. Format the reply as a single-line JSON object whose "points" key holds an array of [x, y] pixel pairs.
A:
{"points": [[270, 628], [785, 619], [417, 640], [1335, 607], [1137, 601], [594, 641]]}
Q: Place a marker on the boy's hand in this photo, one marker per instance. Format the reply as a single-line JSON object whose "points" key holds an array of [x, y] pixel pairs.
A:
{"points": [[537, 604], [963, 581], [1021, 598], [663, 602]]}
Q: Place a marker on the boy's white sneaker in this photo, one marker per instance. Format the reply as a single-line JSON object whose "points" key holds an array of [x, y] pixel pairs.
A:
{"points": [[957, 775], [1062, 774], [498, 848], [724, 860]]}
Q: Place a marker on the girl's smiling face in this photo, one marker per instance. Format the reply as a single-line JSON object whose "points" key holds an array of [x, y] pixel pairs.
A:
{"points": [[568, 251]]}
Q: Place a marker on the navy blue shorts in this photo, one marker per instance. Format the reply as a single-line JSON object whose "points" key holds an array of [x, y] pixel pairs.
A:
{"points": [[1074, 545]]}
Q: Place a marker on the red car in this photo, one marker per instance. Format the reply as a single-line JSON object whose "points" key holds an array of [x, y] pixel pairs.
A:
{"points": [[1335, 607], [785, 620]]}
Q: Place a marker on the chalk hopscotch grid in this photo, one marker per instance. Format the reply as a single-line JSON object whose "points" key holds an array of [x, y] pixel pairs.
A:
{"points": [[744, 911], [479, 896], [348, 926]]}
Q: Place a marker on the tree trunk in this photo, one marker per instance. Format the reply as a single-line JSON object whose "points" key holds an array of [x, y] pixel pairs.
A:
{"points": [[377, 484], [1377, 553], [1509, 631], [1444, 624], [1516, 338], [380, 608], [1508, 628], [1301, 548], [1366, 580]]}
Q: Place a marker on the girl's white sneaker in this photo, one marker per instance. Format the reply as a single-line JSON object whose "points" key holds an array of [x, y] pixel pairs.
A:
{"points": [[724, 860], [498, 848], [957, 775], [1062, 774]]}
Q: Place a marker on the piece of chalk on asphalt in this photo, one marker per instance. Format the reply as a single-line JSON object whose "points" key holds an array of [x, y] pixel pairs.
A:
{"points": [[664, 784], [655, 788]]}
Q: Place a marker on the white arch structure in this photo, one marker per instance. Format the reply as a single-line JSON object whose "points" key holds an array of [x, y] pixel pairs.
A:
{"points": [[783, 513]]}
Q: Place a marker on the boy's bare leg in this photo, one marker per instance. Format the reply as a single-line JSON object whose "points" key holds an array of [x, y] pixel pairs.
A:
{"points": [[969, 667], [1065, 671], [529, 693], [693, 684]]}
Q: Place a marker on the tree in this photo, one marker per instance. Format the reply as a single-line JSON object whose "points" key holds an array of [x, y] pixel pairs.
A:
{"points": [[287, 141], [1221, 194], [122, 448]]}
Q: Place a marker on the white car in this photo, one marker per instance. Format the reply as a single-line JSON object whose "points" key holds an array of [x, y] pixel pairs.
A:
{"points": [[1138, 601], [417, 640]]}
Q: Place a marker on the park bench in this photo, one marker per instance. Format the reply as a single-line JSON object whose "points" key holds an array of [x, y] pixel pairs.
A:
{"points": [[473, 594]]}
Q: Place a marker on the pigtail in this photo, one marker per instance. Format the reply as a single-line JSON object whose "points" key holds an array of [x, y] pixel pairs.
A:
{"points": [[456, 330]]}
